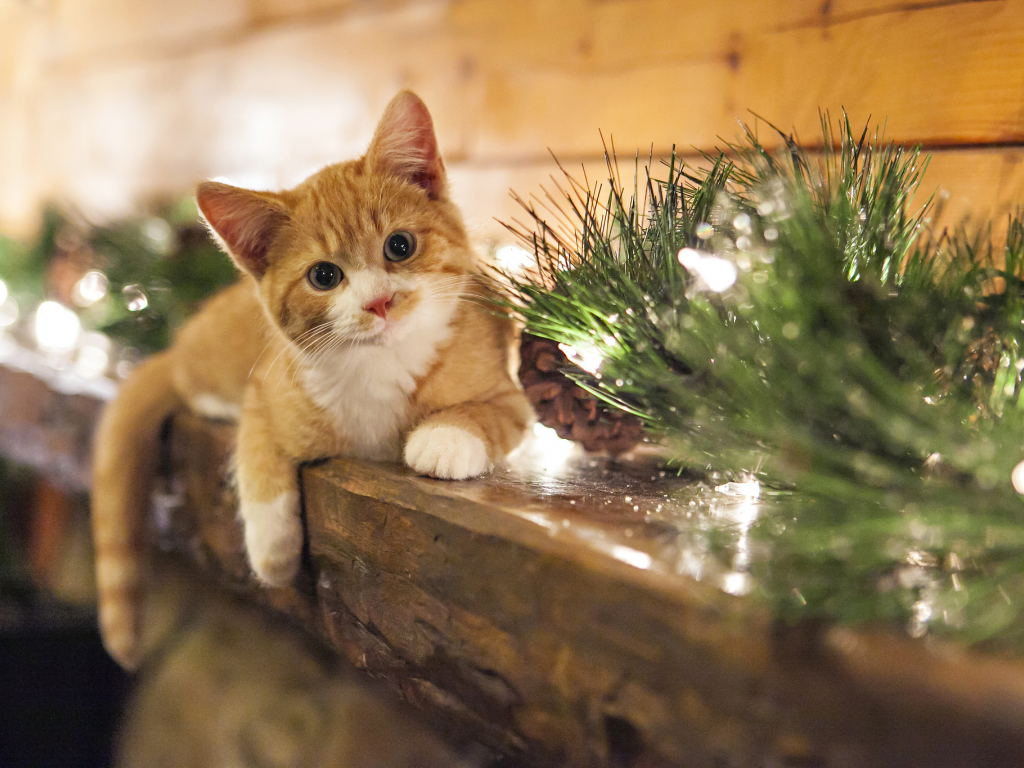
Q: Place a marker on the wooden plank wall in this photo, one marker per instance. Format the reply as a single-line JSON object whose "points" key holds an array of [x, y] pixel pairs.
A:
{"points": [[105, 103]]}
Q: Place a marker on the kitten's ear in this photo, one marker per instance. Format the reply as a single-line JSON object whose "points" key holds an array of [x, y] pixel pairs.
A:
{"points": [[244, 222], [405, 145]]}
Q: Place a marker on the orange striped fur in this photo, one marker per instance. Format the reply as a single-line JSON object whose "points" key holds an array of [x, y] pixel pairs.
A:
{"points": [[394, 362]]}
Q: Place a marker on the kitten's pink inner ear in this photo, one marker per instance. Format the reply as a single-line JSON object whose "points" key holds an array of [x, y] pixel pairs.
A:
{"points": [[246, 222], [405, 145]]}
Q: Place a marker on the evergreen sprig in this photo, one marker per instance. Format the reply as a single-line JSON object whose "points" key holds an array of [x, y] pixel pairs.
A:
{"points": [[862, 365], [167, 257]]}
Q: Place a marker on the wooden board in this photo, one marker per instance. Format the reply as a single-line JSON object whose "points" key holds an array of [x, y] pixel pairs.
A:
{"points": [[550, 611], [104, 110], [986, 184], [542, 610]]}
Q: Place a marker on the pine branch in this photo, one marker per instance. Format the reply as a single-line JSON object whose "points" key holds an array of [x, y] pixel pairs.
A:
{"points": [[818, 335]]}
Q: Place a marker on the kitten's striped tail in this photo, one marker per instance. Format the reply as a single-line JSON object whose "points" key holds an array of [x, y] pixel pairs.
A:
{"points": [[124, 459]]}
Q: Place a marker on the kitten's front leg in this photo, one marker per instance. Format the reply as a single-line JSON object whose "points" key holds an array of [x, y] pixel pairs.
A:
{"points": [[463, 441], [269, 497]]}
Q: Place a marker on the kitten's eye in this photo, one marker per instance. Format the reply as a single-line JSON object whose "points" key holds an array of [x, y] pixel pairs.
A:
{"points": [[323, 276], [399, 246]]}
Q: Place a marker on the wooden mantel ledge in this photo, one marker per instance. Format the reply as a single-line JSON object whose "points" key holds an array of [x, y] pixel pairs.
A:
{"points": [[550, 611]]}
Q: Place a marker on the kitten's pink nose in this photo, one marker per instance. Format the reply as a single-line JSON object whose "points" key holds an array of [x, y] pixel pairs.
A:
{"points": [[379, 307]]}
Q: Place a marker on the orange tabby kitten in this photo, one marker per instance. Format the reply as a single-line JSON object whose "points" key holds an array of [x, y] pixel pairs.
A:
{"points": [[348, 336]]}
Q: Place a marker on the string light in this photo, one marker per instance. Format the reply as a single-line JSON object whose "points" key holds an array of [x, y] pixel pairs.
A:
{"points": [[513, 258], [56, 327], [159, 233], [554, 450], [93, 355], [1017, 478], [90, 289], [587, 358], [631, 556], [135, 298], [718, 274], [748, 491]]}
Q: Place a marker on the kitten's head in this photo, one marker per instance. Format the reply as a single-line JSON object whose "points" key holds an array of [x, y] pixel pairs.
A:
{"points": [[363, 251]]}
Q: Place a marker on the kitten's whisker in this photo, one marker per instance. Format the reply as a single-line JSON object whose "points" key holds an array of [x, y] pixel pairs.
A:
{"points": [[292, 344], [271, 341]]}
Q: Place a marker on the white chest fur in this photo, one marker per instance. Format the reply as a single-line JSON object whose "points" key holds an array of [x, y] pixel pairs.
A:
{"points": [[367, 389]]}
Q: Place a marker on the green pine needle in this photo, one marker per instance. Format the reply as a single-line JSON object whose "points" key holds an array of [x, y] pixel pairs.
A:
{"points": [[863, 364]]}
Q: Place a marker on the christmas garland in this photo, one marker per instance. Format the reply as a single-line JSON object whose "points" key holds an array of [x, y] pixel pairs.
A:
{"points": [[787, 323], [79, 290]]}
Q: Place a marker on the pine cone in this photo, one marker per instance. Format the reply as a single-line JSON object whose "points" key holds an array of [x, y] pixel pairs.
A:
{"points": [[567, 408]]}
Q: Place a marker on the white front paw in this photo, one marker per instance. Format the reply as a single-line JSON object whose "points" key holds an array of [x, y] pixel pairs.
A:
{"points": [[273, 538], [446, 452]]}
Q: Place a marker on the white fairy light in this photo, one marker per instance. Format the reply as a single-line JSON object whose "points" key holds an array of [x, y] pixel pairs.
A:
{"points": [[718, 274], [704, 231], [748, 489], [56, 327], [587, 358], [513, 258], [159, 233], [90, 289], [93, 355], [631, 556], [736, 583], [135, 298], [1017, 478], [3, 291], [545, 452], [554, 448]]}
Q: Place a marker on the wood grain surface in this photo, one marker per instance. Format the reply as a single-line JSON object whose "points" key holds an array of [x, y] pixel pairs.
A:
{"points": [[542, 611], [104, 104], [547, 611]]}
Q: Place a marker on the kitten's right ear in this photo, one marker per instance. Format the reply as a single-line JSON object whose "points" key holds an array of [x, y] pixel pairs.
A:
{"points": [[244, 222]]}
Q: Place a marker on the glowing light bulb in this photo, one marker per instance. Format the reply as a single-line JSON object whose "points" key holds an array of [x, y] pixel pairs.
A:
{"points": [[736, 583], [749, 489], [159, 233], [93, 356], [587, 358], [1017, 478], [556, 451], [90, 289], [135, 298], [513, 258], [718, 274], [633, 557], [56, 327]]}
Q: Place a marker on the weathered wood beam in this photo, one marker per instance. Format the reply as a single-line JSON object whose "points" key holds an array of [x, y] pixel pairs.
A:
{"points": [[504, 83], [542, 611]]}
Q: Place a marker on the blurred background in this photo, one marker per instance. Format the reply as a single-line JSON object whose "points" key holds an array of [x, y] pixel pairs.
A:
{"points": [[106, 103], [112, 110]]}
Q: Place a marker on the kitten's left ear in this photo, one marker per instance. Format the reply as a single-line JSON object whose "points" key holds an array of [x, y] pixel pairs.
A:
{"points": [[404, 145]]}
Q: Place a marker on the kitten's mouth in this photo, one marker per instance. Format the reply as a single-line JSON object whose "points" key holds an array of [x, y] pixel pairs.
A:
{"points": [[382, 335]]}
